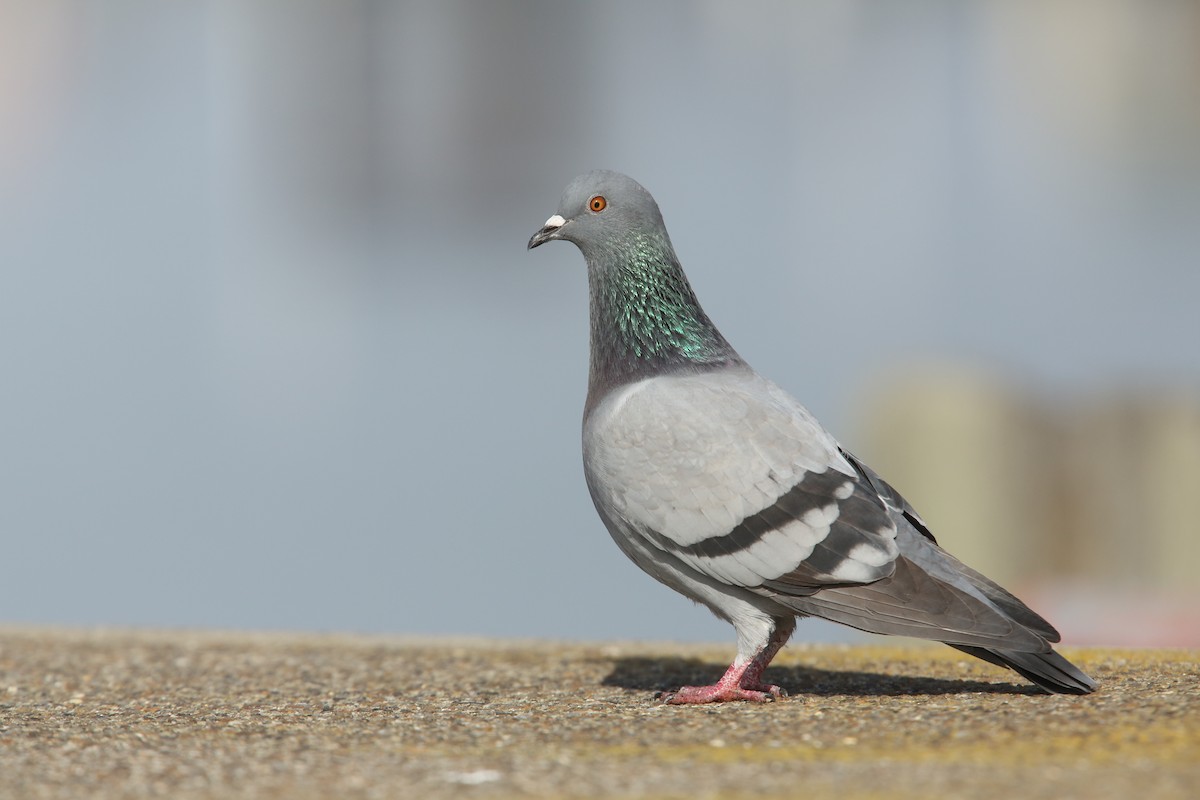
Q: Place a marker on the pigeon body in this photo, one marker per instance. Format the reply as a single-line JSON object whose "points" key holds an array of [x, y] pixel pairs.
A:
{"points": [[719, 484]]}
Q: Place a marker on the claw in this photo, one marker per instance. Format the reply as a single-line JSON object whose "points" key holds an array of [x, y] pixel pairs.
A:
{"points": [[721, 693]]}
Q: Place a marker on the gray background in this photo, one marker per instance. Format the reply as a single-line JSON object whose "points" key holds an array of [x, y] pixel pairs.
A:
{"points": [[273, 354]]}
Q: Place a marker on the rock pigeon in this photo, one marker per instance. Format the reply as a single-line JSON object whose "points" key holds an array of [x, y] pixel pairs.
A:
{"points": [[722, 486]]}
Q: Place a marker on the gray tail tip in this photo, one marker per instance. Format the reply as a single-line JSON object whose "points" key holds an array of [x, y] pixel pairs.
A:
{"points": [[1050, 671]]}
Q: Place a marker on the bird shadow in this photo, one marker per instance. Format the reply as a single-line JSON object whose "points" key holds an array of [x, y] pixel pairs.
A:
{"points": [[668, 674]]}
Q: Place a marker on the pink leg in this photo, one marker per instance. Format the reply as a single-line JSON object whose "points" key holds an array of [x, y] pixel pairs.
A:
{"points": [[741, 681]]}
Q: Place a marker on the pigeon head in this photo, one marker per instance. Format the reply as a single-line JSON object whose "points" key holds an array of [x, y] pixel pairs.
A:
{"points": [[645, 319], [602, 210]]}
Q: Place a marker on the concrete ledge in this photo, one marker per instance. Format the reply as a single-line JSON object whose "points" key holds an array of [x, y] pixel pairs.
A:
{"points": [[107, 714]]}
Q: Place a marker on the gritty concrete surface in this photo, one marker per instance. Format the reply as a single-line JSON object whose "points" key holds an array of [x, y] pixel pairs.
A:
{"points": [[120, 714]]}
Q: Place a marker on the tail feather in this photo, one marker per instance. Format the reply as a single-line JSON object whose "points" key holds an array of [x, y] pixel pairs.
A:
{"points": [[914, 602], [1049, 670]]}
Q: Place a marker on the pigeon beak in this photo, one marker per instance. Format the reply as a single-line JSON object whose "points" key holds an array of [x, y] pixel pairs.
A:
{"points": [[549, 231]]}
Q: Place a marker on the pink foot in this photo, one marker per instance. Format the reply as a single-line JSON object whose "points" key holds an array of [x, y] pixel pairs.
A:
{"points": [[722, 693], [741, 680]]}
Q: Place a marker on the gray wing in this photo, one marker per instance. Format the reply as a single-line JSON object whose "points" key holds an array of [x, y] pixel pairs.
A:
{"points": [[932, 589], [728, 474], [934, 595]]}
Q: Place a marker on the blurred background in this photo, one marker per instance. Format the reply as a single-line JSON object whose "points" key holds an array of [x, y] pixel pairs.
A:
{"points": [[273, 354]]}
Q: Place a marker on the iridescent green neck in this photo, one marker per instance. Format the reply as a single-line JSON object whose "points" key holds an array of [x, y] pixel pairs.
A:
{"points": [[645, 318]]}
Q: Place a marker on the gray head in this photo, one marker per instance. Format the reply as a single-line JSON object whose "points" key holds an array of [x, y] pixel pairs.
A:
{"points": [[599, 210], [645, 319]]}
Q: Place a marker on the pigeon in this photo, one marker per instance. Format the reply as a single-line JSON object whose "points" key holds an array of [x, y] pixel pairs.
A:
{"points": [[719, 484]]}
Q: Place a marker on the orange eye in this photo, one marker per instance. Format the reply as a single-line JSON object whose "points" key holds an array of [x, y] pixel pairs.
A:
{"points": [[598, 203]]}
